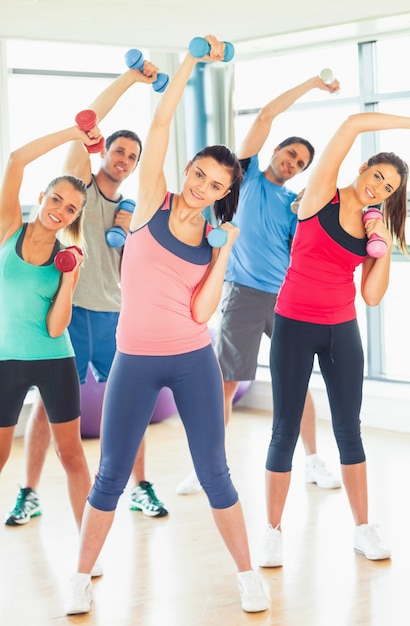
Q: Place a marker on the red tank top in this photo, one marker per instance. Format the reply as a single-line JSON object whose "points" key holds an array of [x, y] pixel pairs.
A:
{"points": [[319, 283]]}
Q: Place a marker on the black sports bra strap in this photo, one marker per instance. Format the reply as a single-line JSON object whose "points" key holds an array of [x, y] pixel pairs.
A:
{"points": [[19, 247]]}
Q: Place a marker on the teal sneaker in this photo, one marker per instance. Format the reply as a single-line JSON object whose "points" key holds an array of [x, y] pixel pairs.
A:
{"points": [[27, 506], [143, 498]]}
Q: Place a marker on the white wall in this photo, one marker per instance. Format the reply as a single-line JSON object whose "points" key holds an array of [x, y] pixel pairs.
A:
{"points": [[383, 403]]}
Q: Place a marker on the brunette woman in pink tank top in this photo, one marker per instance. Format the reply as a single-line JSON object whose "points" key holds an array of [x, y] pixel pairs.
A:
{"points": [[171, 284]]}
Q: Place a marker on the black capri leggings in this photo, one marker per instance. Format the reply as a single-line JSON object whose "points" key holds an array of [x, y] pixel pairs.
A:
{"points": [[340, 354]]}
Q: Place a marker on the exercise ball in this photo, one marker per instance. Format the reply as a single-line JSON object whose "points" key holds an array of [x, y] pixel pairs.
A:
{"points": [[91, 401], [165, 406], [242, 389], [91, 398]]}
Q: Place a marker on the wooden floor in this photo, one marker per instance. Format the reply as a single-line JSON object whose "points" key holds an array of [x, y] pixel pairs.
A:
{"points": [[175, 571]]}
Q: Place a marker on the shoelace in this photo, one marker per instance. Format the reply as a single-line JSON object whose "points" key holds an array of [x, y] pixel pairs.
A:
{"points": [[151, 495], [252, 584], [18, 505], [324, 469], [21, 498], [371, 532], [321, 467]]}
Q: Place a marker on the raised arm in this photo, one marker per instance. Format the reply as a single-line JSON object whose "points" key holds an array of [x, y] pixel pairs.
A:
{"points": [[322, 183], [78, 162], [10, 208], [261, 127], [152, 183], [208, 293]]}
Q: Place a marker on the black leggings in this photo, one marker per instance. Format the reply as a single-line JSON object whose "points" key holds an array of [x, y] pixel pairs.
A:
{"points": [[340, 354]]}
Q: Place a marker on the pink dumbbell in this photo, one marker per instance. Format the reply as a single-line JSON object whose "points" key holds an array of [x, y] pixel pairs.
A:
{"points": [[86, 120], [65, 260], [376, 246]]}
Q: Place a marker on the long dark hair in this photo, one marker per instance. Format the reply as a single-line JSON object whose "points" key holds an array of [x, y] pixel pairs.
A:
{"points": [[395, 206], [225, 208]]}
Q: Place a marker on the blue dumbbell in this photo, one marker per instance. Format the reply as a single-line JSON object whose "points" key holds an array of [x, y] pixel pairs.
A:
{"points": [[217, 237], [199, 47], [115, 237], [135, 61]]}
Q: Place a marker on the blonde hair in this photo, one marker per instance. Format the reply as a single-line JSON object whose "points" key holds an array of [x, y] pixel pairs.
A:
{"points": [[73, 234]]}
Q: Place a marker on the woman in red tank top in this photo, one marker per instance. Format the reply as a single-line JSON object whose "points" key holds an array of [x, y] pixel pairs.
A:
{"points": [[315, 315]]}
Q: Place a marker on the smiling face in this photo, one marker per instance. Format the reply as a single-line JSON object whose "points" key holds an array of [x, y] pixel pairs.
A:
{"points": [[206, 181], [288, 161], [61, 205], [121, 159], [377, 182]]}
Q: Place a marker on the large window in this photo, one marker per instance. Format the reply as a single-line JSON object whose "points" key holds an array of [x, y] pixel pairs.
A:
{"points": [[370, 79], [49, 83]]}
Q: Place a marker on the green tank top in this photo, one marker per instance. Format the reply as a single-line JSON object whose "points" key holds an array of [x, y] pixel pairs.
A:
{"points": [[26, 293]]}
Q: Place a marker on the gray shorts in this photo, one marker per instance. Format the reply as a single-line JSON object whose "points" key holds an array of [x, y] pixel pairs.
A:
{"points": [[246, 314]]}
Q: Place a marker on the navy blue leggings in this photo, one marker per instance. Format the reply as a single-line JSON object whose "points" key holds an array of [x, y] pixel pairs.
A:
{"points": [[340, 354], [132, 390]]}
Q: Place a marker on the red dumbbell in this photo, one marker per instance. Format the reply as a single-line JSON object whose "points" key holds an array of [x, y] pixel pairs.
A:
{"points": [[65, 260], [86, 120], [376, 246]]}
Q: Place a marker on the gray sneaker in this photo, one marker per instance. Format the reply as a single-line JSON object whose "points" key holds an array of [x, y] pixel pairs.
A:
{"points": [[143, 498], [27, 506]]}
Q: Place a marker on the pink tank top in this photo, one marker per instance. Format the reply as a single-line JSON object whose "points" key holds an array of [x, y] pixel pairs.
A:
{"points": [[159, 274]]}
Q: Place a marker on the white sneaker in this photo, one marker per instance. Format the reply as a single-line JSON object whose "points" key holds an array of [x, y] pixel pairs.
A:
{"points": [[272, 548], [254, 597], [189, 485], [79, 595], [97, 570], [367, 542], [317, 472]]}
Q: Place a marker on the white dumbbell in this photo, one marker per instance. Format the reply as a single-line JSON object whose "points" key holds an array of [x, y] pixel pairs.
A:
{"points": [[327, 76]]}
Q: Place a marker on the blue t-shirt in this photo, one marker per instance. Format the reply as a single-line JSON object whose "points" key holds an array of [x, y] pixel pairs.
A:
{"points": [[260, 255]]}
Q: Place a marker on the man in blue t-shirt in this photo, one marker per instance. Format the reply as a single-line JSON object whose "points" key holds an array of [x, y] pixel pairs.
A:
{"points": [[258, 262]]}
